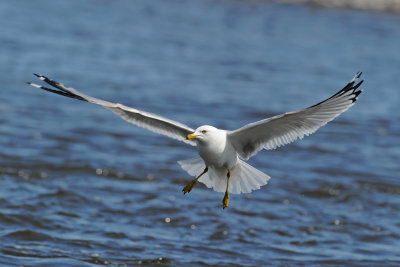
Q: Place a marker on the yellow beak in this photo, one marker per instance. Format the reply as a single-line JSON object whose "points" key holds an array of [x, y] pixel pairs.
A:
{"points": [[190, 136]]}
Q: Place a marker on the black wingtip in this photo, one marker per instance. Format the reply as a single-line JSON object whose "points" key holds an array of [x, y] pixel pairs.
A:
{"points": [[354, 99], [358, 85], [356, 77], [349, 87], [31, 84], [41, 77], [60, 89]]}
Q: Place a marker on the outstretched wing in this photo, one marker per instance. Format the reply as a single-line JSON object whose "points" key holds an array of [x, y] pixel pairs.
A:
{"points": [[140, 118], [285, 128]]}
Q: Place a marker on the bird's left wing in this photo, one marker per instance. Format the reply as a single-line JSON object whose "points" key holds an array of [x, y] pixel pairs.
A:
{"points": [[140, 118], [285, 128]]}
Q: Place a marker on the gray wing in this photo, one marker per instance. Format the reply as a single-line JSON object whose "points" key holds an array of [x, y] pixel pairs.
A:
{"points": [[140, 118], [285, 128]]}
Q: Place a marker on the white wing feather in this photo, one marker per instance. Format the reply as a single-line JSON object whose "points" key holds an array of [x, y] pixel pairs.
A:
{"points": [[140, 118], [285, 128]]}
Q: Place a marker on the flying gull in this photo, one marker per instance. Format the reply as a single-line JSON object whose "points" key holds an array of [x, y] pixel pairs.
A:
{"points": [[221, 164]]}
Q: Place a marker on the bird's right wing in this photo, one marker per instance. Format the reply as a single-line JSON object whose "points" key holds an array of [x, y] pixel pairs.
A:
{"points": [[140, 118]]}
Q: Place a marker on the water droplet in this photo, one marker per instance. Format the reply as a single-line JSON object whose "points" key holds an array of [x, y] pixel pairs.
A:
{"points": [[23, 175], [37, 136], [382, 131], [151, 177]]}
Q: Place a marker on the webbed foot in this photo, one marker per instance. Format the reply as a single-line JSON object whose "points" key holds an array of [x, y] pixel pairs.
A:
{"points": [[190, 185], [225, 201]]}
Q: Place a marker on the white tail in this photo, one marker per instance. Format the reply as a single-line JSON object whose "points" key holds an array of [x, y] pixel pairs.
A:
{"points": [[244, 178]]}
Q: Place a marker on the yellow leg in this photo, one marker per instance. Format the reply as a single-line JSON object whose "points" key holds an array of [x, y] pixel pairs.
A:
{"points": [[190, 185], [225, 201]]}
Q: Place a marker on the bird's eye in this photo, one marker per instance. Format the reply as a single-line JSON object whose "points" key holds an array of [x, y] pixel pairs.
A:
{"points": [[204, 131]]}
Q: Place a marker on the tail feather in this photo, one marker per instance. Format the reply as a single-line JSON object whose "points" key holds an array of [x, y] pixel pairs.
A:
{"points": [[196, 166], [244, 178], [193, 166]]}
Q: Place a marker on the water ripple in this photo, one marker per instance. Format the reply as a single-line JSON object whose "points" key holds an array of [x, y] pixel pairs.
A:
{"points": [[81, 187]]}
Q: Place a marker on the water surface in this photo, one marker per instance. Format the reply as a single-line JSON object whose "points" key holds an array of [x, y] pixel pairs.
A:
{"points": [[81, 187]]}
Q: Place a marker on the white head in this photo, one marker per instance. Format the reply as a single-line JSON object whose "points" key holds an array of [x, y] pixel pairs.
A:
{"points": [[205, 134]]}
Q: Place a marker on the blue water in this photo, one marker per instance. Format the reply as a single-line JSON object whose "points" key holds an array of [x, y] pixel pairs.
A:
{"points": [[81, 187]]}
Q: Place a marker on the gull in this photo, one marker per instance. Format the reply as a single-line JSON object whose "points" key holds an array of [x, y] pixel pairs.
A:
{"points": [[221, 165]]}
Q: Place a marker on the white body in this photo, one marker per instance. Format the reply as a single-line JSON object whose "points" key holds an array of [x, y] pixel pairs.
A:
{"points": [[217, 151], [219, 155]]}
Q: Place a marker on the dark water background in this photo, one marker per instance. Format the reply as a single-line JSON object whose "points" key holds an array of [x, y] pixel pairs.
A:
{"points": [[80, 187]]}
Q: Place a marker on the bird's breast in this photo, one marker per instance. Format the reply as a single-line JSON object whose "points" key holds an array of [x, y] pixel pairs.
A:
{"points": [[218, 154]]}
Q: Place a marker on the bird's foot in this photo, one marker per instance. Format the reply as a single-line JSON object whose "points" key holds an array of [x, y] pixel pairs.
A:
{"points": [[225, 201], [189, 186]]}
